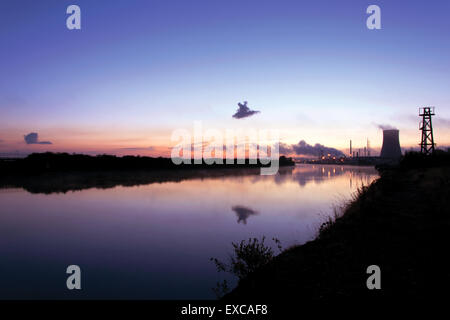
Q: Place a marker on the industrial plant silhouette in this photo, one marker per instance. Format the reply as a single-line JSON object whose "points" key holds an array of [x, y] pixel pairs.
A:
{"points": [[391, 145]]}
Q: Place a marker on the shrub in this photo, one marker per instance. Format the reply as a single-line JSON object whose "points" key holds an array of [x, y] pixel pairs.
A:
{"points": [[247, 257]]}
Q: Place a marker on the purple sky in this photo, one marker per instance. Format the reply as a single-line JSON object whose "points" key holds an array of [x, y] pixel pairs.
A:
{"points": [[137, 70]]}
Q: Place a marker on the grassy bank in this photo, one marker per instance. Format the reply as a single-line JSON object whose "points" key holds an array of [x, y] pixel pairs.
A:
{"points": [[400, 223]]}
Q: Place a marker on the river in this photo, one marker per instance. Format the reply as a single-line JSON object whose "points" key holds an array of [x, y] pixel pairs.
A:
{"points": [[155, 240]]}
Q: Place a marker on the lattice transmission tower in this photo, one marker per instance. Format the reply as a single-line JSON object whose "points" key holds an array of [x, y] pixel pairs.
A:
{"points": [[427, 142]]}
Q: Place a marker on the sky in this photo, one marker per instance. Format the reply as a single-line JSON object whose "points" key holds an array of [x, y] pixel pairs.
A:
{"points": [[138, 70]]}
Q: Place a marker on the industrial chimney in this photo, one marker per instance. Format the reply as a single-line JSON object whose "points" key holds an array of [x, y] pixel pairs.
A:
{"points": [[391, 145]]}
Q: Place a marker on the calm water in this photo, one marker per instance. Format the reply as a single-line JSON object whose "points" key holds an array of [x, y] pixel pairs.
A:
{"points": [[154, 240]]}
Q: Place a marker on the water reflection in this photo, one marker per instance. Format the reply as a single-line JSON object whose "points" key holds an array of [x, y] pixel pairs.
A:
{"points": [[149, 235], [48, 183], [320, 174], [63, 182], [243, 213]]}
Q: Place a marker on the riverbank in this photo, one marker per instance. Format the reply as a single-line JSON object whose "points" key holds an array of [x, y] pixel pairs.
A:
{"points": [[62, 172], [38, 163], [399, 223]]}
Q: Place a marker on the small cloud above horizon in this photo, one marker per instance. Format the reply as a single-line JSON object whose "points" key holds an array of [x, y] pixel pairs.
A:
{"points": [[305, 149], [33, 138], [243, 111]]}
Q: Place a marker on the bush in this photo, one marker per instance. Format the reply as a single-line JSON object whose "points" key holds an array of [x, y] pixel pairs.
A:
{"points": [[246, 258]]}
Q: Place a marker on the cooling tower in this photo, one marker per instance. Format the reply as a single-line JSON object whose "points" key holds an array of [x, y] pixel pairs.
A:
{"points": [[391, 145]]}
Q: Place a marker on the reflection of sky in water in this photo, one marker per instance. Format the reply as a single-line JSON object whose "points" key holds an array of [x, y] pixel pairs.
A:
{"points": [[155, 240]]}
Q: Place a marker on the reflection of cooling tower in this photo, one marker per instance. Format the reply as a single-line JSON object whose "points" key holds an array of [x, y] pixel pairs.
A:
{"points": [[391, 145]]}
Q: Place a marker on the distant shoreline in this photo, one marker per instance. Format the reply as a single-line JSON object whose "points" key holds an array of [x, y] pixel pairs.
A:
{"points": [[63, 162]]}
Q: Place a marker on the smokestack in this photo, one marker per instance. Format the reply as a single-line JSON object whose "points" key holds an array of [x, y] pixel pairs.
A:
{"points": [[350, 148], [391, 144], [368, 148]]}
